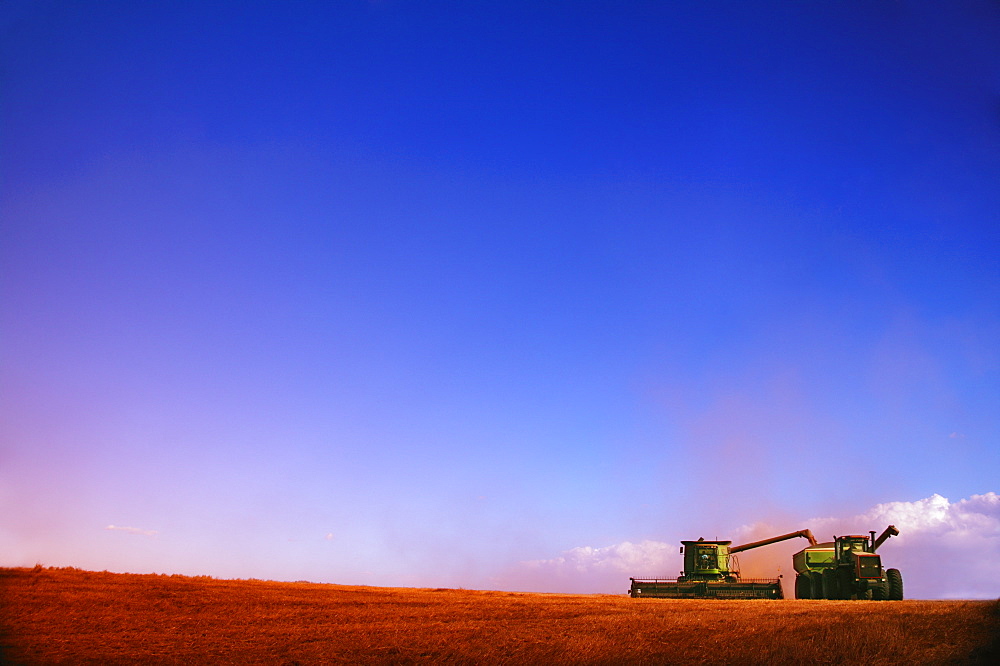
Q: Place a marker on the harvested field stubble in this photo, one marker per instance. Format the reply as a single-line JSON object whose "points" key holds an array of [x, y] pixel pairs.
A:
{"points": [[72, 616]]}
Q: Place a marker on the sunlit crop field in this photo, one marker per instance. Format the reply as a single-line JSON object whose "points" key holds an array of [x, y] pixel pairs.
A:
{"points": [[72, 616]]}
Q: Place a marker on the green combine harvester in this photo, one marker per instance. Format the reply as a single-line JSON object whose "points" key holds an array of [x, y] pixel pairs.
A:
{"points": [[847, 568], [708, 575]]}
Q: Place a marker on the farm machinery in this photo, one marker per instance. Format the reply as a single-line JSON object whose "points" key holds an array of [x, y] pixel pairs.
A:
{"points": [[847, 568], [708, 574]]}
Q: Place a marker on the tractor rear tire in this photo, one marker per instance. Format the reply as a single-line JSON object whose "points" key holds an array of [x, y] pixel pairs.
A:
{"points": [[895, 584], [803, 587], [831, 588]]}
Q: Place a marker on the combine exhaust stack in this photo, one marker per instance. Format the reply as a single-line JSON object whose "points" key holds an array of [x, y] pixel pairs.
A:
{"points": [[707, 574]]}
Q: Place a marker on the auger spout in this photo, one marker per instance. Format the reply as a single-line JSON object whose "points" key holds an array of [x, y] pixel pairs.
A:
{"points": [[889, 531]]}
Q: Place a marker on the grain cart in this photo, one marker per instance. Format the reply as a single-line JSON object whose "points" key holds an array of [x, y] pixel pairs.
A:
{"points": [[847, 568], [707, 573]]}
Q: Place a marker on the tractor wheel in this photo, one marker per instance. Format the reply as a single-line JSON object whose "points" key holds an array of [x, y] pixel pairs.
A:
{"points": [[895, 584], [846, 585], [830, 587], [880, 592], [803, 587]]}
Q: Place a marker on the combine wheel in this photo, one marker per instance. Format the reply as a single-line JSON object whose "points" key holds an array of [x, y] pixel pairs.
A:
{"points": [[895, 584], [803, 587]]}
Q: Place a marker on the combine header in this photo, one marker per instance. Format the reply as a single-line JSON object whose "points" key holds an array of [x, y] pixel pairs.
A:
{"points": [[707, 573]]}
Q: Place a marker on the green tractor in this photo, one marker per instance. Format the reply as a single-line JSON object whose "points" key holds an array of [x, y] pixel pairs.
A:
{"points": [[847, 568]]}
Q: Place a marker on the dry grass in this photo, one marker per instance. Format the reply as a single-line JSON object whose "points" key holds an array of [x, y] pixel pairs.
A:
{"points": [[51, 616]]}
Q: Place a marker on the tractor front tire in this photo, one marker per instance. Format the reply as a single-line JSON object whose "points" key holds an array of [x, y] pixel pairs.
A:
{"points": [[895, 584], [880, 592], [803, 587]]}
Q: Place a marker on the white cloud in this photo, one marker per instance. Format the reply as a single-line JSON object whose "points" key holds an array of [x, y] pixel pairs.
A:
{"points": [[132, 530], [936, 514], [945, 550], [589, 570], [619, 558]]}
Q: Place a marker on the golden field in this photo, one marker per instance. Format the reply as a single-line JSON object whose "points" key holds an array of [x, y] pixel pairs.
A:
{"points": [[51, 616]]}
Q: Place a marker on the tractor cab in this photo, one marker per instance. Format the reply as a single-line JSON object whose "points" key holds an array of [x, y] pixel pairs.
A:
{"points": [[855, 551], [846, 545], [705, 560]]}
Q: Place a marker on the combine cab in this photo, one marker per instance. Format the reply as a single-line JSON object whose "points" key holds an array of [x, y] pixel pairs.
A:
{"points": [[707, 574], [847, 568]]}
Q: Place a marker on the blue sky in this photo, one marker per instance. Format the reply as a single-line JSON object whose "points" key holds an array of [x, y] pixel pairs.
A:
{"points": [[412, 293]]}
